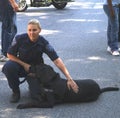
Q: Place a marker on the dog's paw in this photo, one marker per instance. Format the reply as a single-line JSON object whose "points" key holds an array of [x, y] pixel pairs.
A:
{"points": [[21, 106]]}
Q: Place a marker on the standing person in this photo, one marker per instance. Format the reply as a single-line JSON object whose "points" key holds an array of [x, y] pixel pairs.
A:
{"points": [[27, 49], [8, 10], [111, 8], [119, 25]]}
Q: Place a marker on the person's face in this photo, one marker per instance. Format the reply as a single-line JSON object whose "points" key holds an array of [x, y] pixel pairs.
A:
{"points": [[33, 32]]}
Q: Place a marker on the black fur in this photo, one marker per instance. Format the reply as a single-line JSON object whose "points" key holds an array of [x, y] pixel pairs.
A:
{"points": [[48, 88]]}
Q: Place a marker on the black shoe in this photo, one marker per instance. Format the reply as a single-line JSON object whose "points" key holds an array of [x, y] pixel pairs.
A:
{"points": [[15, 97]]}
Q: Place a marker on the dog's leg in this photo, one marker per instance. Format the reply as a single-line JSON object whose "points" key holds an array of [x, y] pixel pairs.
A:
{"points": [[34, 105], [27, 105], [48, 103]]}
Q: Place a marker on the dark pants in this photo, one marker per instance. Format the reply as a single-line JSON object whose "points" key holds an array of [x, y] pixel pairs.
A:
{"points": [[112, 28], [119, 26], [13, 71], [9, 28]]}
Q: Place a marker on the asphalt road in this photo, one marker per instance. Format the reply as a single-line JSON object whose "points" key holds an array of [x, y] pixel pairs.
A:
{"points": [[78, 33]]}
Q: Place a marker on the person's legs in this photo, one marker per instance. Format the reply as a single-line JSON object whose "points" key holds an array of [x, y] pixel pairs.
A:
{"points": [[13, 71], [112, 29], [9, 29], [108, 33], [1, 19]]}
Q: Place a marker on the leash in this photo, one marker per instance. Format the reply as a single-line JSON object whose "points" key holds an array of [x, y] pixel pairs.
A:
{"points": [[23, 81]]}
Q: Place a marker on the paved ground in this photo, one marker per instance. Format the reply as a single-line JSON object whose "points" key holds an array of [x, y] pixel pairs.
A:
{"points": [[78, 33]]}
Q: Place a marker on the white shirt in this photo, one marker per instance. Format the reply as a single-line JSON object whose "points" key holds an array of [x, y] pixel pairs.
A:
{"points": [[114, 2]]}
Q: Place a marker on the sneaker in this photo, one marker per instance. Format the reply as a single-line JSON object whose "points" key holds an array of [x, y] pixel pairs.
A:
{"points": [[108, 49], [15, 97], [114, 53], [3, 58]]}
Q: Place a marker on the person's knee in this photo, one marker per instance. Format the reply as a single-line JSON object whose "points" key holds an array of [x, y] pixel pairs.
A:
{"points": [[9, 67]]}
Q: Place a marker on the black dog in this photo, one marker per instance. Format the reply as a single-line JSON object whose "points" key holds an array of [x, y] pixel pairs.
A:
{"points": [[48, 88]]}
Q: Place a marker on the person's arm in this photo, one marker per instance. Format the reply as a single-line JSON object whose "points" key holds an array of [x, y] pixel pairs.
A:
{"points": [[15, 59], [110, 6], [14, 5], [70, 83]]}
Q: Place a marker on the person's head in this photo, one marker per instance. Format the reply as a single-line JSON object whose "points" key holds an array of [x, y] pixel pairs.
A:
{"points": [[33, 29]]}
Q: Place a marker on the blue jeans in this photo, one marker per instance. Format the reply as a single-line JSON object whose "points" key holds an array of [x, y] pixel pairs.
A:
{"points": [[113, 28], [9, 27], [13, 71]]}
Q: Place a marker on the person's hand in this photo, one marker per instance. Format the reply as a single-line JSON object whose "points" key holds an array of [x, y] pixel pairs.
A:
{"points": [[15, 6], [26, 67], [112, 15], [31, 75], [72, 85]]}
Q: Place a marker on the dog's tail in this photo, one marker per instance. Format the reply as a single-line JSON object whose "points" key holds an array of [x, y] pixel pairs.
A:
{"points": [[106, 89]]}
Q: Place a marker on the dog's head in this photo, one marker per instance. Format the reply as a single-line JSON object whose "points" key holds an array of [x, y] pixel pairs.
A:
{"points": [[45, 73]]}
